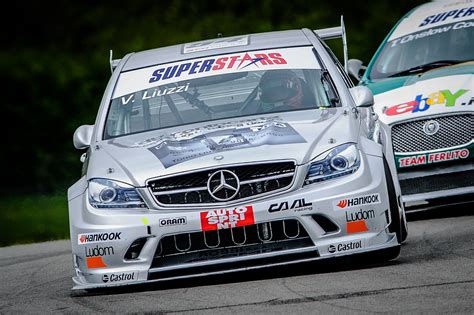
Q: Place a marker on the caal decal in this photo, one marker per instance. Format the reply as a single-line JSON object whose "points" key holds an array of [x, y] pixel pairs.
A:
{"points": [[227, 218], [421, 104]]}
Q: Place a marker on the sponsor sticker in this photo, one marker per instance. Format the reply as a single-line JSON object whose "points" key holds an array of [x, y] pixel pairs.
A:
{"points": [[182, 71], [89, 238], [448, 16], [423, 159], [94, 256], [358, 201], [346, 246], [173, 221], [296, 205], [215, 44], [120, 277], [182, 148], [356, 221], [434, 17], [227, 218], [421, 103]]}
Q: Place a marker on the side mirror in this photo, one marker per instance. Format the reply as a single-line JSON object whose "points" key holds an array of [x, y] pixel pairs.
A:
{"points": [[362, 96], [83, 136], [354, 66]]}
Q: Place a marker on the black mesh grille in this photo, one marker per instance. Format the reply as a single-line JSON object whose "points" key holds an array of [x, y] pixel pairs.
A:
{"points": [[453, 131], [235, 242], [254, 180], [437, 182]]}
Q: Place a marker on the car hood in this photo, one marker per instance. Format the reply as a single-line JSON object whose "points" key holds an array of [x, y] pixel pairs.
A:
{"points": [[298, 136], [441, 91]]}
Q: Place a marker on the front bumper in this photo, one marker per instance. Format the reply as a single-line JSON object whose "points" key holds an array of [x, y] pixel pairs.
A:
{"points": [[356, 207]]}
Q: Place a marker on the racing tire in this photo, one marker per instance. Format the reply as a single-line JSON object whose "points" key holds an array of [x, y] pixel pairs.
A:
{"points": [[404, 233], [395, 225]]}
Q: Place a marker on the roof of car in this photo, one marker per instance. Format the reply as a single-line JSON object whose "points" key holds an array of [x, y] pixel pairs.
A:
{"points": [[216, 46]]}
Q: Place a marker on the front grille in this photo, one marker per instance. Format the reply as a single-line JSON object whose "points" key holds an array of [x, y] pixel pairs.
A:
{"points": [[439, 182], [453, 131], [226, 243], [191, 188]]}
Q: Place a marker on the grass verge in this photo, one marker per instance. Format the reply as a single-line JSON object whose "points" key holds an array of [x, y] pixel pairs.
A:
{"points": [[28, 219]]}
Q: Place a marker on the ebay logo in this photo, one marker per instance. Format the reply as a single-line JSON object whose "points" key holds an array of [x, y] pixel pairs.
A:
{"points": [[421, 104]]}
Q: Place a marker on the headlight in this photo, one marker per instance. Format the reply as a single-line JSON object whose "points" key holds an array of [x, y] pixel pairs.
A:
{"points": [[340, 161], [105, 193]]}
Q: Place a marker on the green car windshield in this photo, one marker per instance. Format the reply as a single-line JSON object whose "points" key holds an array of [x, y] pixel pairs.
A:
{"points": [[422, 51]]}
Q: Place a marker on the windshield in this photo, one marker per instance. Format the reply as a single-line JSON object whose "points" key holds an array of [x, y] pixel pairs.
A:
{"points": [[443, 45], [226, 86]]}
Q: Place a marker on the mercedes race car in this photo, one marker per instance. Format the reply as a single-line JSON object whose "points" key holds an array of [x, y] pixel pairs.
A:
{"points": [[422, 79], [227, 155]]}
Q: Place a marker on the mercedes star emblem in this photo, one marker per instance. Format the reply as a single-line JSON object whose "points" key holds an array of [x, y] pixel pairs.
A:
{"points": [[223, 185], [431, 127]]}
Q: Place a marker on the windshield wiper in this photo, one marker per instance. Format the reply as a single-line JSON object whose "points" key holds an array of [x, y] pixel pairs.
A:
{"points": [[426, 67]]}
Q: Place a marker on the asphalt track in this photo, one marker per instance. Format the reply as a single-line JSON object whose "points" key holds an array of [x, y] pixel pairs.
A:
{"points": [[434, 274]]}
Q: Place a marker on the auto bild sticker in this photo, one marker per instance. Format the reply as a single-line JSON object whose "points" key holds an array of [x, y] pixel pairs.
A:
{"points": [[346, 246], [421, 103], [430, 158], [129, 276], [183, 148], [89, 238], [358, 201], [226, 218], [356, 221], [275, 59], [296, 205], [94, 256]]}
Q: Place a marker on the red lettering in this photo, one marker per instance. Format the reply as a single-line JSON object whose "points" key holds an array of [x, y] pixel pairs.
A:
{"points": [[246, 57], [401, 108], [277, 58], [233, 59], [226, 218], [264, 59], [220, 63]]}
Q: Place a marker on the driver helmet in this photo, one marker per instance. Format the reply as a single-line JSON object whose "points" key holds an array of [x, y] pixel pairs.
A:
{"points": [[281, 87]]}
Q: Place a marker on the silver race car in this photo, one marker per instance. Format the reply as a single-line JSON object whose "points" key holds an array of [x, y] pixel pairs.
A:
{"points": [[230, 154]]}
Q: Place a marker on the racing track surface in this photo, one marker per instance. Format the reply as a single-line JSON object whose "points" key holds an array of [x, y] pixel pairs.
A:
{"points": [[435, 273]]}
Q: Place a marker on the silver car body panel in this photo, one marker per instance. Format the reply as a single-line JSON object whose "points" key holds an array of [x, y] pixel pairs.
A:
{"points": [[101, 237]]}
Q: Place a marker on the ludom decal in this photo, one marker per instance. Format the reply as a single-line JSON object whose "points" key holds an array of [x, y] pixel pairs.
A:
{"points": [[98, 237], [226, 218], [356, 221], [94, 256], [422, 159], [359, 201], [297, 205], [421, 104]]}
